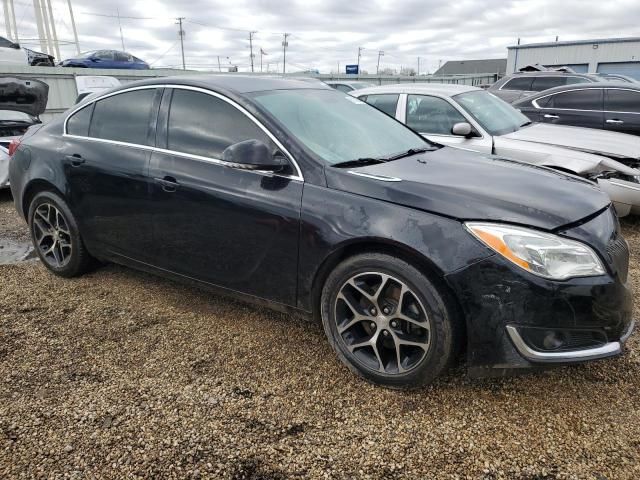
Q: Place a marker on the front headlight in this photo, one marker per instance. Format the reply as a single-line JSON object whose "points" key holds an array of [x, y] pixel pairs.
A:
{"points": [[542, 254]]}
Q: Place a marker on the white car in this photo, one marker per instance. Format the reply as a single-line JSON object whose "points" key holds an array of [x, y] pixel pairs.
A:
{"points": [[473, 119], [12, 53], [22, 101]]}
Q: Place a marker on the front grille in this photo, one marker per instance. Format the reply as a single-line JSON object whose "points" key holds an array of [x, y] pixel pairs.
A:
{"points": [[618, 251]]}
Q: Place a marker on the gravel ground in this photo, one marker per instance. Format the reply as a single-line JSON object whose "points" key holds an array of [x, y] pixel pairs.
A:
{"points": [[121, 374]]}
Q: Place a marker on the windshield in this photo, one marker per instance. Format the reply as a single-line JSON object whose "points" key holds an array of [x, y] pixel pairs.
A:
{"points": [[86, 54], [494, 115], [338, 127], [359, 85]]}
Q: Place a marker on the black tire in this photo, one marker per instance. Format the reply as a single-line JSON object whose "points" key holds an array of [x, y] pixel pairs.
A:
{"points": [[442, 328], [77, 260]]}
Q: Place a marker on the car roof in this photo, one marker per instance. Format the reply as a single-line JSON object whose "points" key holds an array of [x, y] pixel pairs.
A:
{"points": [[553, 73], [235, 83], [442, 89], [579, 86]]}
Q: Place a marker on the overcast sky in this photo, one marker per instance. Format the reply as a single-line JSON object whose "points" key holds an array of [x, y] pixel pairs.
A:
{"points": [[327, 33]]}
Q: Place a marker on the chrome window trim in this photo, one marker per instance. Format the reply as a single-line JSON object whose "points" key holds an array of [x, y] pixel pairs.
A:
{"points": [[624, 185], [382, 178], [298, 176], [606, 350], [535, 101]]}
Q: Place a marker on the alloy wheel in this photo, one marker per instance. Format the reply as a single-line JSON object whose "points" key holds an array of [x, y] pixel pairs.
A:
{"points": [[52, 235], [382, 323]]}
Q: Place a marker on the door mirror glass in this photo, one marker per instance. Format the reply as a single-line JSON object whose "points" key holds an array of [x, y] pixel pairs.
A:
{"points": [[462, 129], [253, 155]]}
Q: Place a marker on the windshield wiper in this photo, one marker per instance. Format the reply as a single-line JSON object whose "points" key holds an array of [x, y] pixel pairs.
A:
{"points": [[408, 153], [359, 162], [526, 124]]}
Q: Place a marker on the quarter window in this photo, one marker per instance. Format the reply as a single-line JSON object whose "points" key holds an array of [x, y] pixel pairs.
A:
{"points": [[78, 123], [204, 125], [431, 115], [386, 103], [124, 117], [590, 99], [623, 101]]}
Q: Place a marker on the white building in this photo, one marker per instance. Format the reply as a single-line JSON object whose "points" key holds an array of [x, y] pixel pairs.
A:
{"points": [[611, 55]]}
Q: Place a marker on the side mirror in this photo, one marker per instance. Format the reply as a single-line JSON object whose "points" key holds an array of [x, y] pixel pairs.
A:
{"points": [[16, 46], [462, 129], [253, 155], [94, 59]]}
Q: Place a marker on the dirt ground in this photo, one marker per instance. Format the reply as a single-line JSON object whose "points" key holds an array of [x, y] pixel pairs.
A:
{"points": [[120, 374]]}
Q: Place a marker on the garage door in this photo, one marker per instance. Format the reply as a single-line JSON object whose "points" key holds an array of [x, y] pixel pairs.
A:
{"points": [[631, 69], [576, 67]]}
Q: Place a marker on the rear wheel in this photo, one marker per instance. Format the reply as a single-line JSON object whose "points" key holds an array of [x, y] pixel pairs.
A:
{"points": [[56, 237], [387, 321]]}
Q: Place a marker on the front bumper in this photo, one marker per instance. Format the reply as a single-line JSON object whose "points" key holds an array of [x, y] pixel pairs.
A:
{"points": [[625, 195]]}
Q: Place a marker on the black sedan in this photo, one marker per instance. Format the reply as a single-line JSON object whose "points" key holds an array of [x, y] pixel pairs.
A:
{"points": [[610, 106], [297, 196]]}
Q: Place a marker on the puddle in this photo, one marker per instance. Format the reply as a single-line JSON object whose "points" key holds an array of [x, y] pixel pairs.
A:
{"points": [[15, 252]]}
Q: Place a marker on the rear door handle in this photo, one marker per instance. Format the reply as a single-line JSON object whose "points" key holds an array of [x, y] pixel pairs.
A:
{"points": [[615, 122], [75, 159], [554, 117], [169, 184]]}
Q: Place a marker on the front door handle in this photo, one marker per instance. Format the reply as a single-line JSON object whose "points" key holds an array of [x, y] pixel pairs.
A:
{"points": [[169, 184], [553, 117], [615, 121], [75, 159]]}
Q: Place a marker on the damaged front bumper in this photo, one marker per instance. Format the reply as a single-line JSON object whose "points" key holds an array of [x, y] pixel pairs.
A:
{"points": [[624, 194], [517, 321]]}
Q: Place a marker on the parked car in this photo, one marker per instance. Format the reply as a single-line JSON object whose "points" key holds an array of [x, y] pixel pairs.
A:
{"points": [[93, 85], [615, 77], [106, 59], [608, 106], [22, 101], [473, 119], [310, 201], [522, 84], [12, 53], [348, 86]]}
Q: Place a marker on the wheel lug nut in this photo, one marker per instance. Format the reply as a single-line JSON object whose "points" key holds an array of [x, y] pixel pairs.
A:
{"points": [[386, 310], [372, 311], [385, 333], [394, 324], [373, 325]]}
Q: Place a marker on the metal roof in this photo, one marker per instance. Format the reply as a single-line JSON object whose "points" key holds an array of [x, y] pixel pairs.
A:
{"points": [[576, 42], [442, 89], [461, 67]]}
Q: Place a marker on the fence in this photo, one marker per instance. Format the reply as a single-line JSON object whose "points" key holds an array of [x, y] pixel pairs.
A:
{"points": [[63, 91]]}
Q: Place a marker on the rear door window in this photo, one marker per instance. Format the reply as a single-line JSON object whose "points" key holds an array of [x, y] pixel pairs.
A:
{"points": [[545, 83], [204, 125], [124, 117], [590, 99], [431, 115], [386, 102], [519, 83], [622, 101]]}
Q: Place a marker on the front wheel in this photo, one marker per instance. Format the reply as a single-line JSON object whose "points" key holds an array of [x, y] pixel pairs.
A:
{"points": [[56, 237], [387, 321]]}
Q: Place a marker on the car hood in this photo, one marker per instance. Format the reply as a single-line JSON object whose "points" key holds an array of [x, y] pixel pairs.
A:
{"points": [[471, 186], [23, 95], [611, 144]]}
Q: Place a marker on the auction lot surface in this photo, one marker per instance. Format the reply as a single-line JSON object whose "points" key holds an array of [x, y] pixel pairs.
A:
{"points": [[122, 374]]}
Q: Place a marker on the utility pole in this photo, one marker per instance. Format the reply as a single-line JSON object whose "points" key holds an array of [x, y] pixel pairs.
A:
{"points": [[120, 26], [380, 54], [418, 74], [73, 27], [359, 55], [262, 52], [41, 34], [7, 23], [13, 19], [219, 67], [285, 44], [251, 48], [45, 21], [181, 33]]}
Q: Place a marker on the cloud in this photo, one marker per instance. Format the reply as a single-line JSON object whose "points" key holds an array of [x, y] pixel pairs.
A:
{"points": [[327, 33]]}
